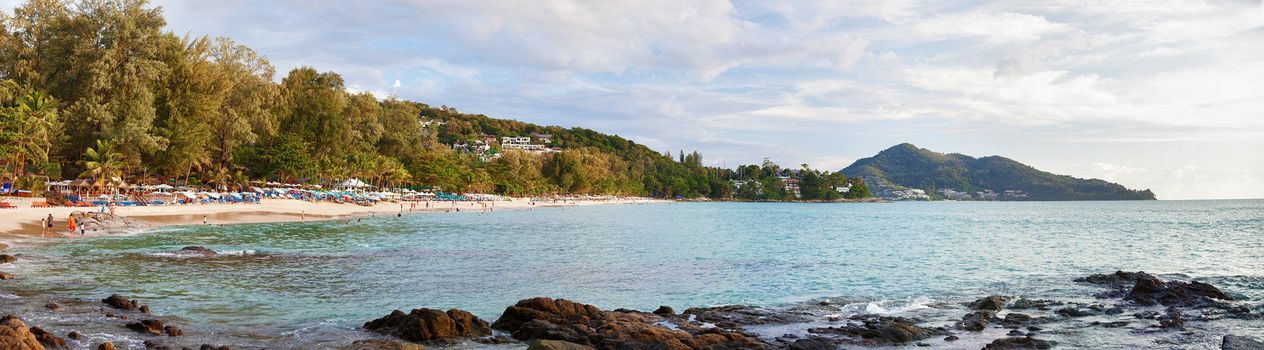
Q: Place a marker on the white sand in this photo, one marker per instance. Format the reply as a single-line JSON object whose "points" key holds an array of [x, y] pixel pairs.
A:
{"points": [[22, 224]]}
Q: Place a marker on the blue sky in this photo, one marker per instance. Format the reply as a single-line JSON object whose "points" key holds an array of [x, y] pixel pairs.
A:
{"points": [[1166, 95]]}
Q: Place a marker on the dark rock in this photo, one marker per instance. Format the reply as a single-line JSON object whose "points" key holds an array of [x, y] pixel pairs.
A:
{"points": [[1018, 343], [49, 340], [197, 250], [879, 330], [1173, 321], [74, 335], [1015, 320], [922, 344], [1114, 311], [106, 346], [1147, 315], [994, 303], [172, 331], [151, 327], [1235, 342], [144, 309], [120, 302], [543, 344], [6, 258], [951, 338], [225, 347], [52, 306], [1150, 290], [1115, 324], [1072, 311], [1016, 333], [429, 324], [813, 343], [742, 315], [975, 321], [5, 276], [1024, 304], [369, 344], [665, 311], [560, 319], [1117, 279]]}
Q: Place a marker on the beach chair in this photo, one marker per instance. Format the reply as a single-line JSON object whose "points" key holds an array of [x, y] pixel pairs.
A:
{"points": [[41, 205], [7, 205]]}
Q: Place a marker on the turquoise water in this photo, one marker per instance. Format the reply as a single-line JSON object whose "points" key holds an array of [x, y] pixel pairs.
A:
{"points": [[314, 283]]}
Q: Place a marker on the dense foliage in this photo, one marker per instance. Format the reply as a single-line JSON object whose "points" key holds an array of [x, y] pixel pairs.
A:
{"points": [[910, 166], [97, 89]]}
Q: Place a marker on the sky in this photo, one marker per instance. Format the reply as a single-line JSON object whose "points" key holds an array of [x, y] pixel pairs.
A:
{"points": [[1165, 95]]}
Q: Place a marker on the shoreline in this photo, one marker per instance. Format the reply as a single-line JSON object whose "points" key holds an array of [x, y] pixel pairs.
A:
{"points": [[22, 225]]}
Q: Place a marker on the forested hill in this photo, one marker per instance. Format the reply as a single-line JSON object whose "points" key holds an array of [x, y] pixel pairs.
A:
{"points": [[100, 90], [906, 165]]}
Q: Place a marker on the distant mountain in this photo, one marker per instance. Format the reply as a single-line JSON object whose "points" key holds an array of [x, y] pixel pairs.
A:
{"points": [[994, 177]]}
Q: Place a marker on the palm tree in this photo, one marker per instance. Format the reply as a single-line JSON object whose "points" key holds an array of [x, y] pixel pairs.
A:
{"points": [[33, 119], [102, 163]]}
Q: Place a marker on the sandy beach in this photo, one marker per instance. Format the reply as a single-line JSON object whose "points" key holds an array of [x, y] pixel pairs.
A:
{"points": [[22, 224]]}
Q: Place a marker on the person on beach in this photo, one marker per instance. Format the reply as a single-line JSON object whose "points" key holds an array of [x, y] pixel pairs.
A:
{"points": [[204, 219], [43, 227], [71, 222]]}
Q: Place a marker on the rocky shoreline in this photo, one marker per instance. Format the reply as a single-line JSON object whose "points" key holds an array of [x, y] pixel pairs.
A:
{"points": [[1136, 301]]}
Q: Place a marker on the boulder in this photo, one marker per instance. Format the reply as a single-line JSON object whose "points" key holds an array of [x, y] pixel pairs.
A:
{"points": [[16, 336], [120, 302], [1018, 343], [381, 344], [1173, 321], [1071, 311], [994, 303], [6, 258], [733, 316], [1042, 304], [151, 327], [74, 335], [1117, 279], [561, 319], [1235, 342], [813, 343], [52, 306], [172, 331], [49, 340], [219, 347], [1150, 290], [1016, 320], [665, 311], [106, 346], [543, 344], [879, 330], [5, 276], [975, 321], [429, 324]]}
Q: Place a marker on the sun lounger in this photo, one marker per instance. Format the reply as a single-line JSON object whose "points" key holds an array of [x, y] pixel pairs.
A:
{"points": [[7, 205]]}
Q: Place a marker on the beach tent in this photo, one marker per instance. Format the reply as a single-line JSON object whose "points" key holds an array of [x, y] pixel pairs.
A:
{"points": [[352, 183]]}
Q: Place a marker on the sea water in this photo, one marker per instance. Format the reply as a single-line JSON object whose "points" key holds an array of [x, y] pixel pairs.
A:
{"points": [[312, 284]]}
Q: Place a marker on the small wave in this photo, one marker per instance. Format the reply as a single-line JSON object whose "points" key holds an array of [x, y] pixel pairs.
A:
{"points": [[888, 307], [9, 296]]}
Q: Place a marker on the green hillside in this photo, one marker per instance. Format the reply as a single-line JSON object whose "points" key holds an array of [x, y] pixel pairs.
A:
{"points": [[909, 166]]}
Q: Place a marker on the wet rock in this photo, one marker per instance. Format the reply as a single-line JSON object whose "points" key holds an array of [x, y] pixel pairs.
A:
{"points": [[120, 302], [15, 335], [923, 344], [1150, 290], [225, 347], [665, 311], [1015, 333], [1034, 329], [1015, 320], [994, 303], [1071, 311], [74, 335], [1117, 279], [1115, 324], [879, 330], [197, 250], [371, 344], [952, 338], [172, 331], [144, 309], [49, 340], [106, 346], [153, 345], [429, 324], [733, 316], [1173, 321], [1147, 315], [813, 343], [543, 344], [1235, 342], [52, 306], [1018, 343], [6, 258], [975, 321], [5, 276], [1024, 304], [560, 319], [1114, 311], [151, 327]]}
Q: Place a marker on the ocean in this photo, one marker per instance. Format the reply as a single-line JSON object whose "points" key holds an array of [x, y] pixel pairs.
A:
{"points": [[313, 284]]}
